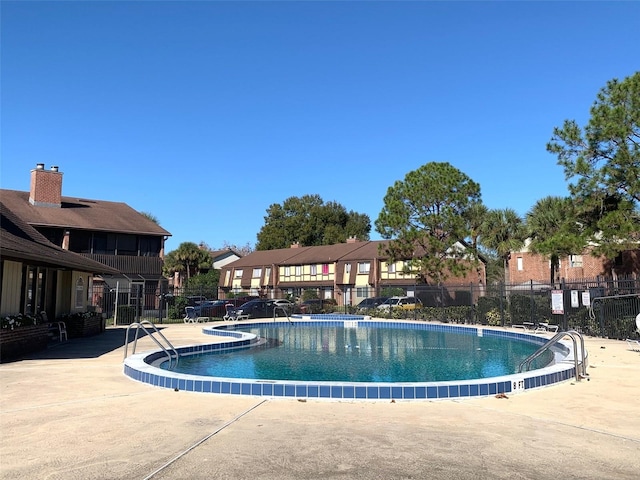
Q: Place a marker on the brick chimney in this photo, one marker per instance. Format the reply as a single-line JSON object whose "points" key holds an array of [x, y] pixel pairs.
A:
{"points": [[295, 245], [46, 187], [352, 239]]}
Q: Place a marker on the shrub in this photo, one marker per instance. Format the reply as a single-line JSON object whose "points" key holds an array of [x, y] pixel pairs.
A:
{"points": [[12, 322]]}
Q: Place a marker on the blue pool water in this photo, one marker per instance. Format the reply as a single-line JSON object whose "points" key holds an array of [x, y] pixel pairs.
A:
{"points": [[364, 354]]}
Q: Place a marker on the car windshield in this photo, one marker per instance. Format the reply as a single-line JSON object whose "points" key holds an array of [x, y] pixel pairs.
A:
{"points": [[392, 301]]}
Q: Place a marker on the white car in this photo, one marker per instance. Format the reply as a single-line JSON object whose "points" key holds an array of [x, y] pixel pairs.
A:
{"points": [[283, 302], [405, 303]]}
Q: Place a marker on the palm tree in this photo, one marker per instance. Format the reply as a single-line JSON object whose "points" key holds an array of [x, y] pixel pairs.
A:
{"points": [[188, 258], [554, 231], [503, 231], [475, 215]]}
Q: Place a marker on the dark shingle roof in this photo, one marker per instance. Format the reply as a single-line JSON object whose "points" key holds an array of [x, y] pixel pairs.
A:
{"points": [[21, 242], [84, 214]]}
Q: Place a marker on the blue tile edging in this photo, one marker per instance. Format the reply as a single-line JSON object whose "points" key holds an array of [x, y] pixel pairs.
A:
{"points": [[142, 367]]}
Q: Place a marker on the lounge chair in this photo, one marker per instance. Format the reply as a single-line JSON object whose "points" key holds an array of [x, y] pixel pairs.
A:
{"points": [[633, 345], [544, 327], [233, 315], [526, 326], [191, 315]]}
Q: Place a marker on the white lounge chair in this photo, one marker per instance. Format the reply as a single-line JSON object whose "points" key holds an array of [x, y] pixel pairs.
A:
{"points": [[633, 345], [191, 315], [544, 327], [526, 326], [233, 315]]}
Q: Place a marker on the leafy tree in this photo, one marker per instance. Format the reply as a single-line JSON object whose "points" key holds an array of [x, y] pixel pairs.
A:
{"points": [[243, 250], [495, 268], [310, 221], [151, 217], [554, 231], [188, 258], [602, 161], [205, 281], [476, 216], [503, 231], [425, 216]]}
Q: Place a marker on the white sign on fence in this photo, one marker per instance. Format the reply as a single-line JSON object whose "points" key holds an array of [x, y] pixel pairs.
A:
{"points": [[586, 298], [575, 301], [557, 304]]}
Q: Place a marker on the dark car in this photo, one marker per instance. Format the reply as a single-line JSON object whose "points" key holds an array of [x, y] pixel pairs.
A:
{"points": [[217, 308], [372, 302], [259, 308], [195, 300], [211, 308]]}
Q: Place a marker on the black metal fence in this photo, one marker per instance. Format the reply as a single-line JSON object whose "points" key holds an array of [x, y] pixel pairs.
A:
{"points": [[597, 306]]}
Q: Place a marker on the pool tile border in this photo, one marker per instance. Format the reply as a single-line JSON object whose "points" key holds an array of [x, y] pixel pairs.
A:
{"points": [[140, 367]]}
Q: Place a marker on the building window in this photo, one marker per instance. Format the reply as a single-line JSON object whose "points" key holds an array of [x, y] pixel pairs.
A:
{"points": [[80, 241], [362, 292], [150, 246], [127, 245], [298, 270], [519, 263], [575, 261], [257, 273], [364, 267], [267, 275], [391, 268], [238, 273], [325, 269], [287, 271], [347, 268], [314, 269]]}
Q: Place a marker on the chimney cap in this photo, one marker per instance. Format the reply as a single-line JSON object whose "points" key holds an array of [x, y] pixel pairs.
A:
{"points": [[39, 166], [54, 168]]}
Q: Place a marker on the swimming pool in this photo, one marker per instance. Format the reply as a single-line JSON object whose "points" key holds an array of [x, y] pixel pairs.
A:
{"points": [[364, 354], [144, 367]]}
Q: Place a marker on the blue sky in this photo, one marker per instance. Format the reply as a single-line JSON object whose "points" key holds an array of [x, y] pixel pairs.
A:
{"points": [[205, 113]]}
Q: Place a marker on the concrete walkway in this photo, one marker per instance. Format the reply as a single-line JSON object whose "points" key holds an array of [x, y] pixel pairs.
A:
{"points": [[70, 413]]}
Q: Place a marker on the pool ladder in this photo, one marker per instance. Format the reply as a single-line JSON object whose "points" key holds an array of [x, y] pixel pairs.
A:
{"points": [[580, 367], [169, 349], [283, 310]]}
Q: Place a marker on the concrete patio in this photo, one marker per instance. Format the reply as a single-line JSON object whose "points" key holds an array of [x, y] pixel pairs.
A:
{"points": [[70, 413]]}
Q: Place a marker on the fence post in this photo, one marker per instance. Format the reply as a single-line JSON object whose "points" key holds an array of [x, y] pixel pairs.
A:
{"points": [[565, 320], [532, 303], [501, 293], [472, 316]]}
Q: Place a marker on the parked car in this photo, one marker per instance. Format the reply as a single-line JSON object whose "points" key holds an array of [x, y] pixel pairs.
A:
{"points": [[195, 300], [285, 304], [369, 303], [258, 308], [405, 303], [217, 308]]}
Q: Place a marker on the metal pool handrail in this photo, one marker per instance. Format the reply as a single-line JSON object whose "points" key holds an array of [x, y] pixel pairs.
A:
{"points": [[141, 325], [284, 310], [580, 368]]}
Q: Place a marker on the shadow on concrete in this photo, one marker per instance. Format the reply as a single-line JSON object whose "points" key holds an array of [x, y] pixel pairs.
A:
{"points": [[89, 347]]}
